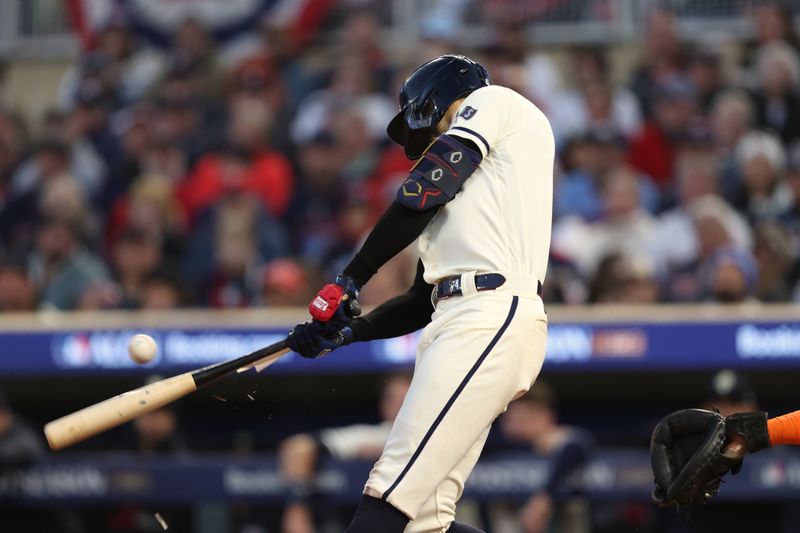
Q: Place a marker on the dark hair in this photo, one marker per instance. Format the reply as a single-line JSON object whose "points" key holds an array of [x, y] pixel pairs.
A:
{"points": [[165, 276], [541, 393], [50, 221], [135, 235], [596, 55], [15, 262], [235, 153], [53, 146], [786, 11]]}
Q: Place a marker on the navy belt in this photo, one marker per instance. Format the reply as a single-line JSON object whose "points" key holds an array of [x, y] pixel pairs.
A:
{"points": [[451, 286]]}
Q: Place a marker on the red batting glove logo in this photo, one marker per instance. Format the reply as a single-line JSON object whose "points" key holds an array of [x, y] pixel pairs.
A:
{"points": [[324, 305]]}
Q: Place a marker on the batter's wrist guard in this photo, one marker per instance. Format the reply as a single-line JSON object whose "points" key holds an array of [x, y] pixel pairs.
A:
{"points": [[752, 427], [349, 285], [352, 308], [333, 296]]}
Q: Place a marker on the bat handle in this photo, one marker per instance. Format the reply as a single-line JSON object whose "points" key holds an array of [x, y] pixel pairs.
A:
{"points": [[212, 373]]}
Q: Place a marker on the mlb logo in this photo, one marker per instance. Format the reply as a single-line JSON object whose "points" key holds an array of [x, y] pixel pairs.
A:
{"points": [[468, 112]]}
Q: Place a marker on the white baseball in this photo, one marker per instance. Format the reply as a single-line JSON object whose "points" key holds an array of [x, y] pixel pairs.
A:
{"points": [[142, 348]]}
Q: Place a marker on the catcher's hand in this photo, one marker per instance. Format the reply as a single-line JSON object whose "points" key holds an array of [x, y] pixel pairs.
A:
{"points": [[691, 450]]}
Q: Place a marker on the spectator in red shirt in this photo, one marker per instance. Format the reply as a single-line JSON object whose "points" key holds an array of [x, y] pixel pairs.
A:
{"points": [[653, 150], [267, 174], [233, 237]]}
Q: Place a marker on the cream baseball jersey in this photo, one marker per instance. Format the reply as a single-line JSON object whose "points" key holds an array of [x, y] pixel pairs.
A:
{"points": [[485, 206], [500, 221]]}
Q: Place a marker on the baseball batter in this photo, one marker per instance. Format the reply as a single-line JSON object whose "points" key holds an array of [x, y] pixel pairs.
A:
{"points": [[479, 199]]}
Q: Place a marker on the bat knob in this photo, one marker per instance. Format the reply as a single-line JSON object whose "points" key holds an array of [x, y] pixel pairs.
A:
{"points": [[352, 308]]}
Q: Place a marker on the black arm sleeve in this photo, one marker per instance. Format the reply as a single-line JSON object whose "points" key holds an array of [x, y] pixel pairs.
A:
{"points": [[398, 316], [396, 229]]}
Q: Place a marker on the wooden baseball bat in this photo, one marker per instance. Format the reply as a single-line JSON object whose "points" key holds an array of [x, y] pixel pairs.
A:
{"points": [[102, 416]]}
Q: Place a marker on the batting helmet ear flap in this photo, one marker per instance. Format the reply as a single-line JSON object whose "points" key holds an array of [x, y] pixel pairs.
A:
{"points": [[396, 130], [413, 141]]}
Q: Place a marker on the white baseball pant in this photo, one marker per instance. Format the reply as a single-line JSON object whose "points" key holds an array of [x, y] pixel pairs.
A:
{"points": [[480, 351]]}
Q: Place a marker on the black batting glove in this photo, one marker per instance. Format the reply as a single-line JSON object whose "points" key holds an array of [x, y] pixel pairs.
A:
{"points": [[312, 339]]}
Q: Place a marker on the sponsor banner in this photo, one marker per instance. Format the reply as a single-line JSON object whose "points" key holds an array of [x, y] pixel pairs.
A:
{"points": [[571, 347], [776, 342], [614, 474]]}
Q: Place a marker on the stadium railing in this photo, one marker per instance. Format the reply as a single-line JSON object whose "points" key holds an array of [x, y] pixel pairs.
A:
{"points": [[36, 29], [41, 28]]}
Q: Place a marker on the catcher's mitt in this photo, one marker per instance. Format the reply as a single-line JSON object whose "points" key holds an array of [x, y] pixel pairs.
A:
{"points": [[687, 454]]}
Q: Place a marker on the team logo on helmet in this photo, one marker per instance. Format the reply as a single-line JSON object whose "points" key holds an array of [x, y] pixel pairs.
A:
{"points": [[468, 112]]}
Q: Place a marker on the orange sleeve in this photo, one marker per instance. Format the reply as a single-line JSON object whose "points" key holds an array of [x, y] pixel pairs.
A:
{"points": [[784, 429]]}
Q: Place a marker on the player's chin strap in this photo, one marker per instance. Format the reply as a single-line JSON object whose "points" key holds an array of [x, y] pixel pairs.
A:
{"points": [[439, 174]]}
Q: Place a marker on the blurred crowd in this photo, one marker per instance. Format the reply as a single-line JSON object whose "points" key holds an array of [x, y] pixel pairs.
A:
{"points": [[682, 184], [180, 176]]}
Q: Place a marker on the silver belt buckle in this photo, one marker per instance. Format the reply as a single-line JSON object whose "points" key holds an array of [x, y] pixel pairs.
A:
{"points": [[454, 284]]}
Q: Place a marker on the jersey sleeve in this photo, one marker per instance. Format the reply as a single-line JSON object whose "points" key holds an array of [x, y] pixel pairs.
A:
{"points": [[483, 117]]}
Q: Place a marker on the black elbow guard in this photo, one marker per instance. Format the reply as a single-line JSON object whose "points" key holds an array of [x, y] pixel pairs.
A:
{"points": [[439, 173]]}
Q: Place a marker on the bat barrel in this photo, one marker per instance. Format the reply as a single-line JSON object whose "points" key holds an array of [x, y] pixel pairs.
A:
{"points": [[81, 425]]}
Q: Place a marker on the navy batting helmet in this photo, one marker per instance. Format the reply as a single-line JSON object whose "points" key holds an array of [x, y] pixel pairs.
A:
{"points": [[426, 95]]}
